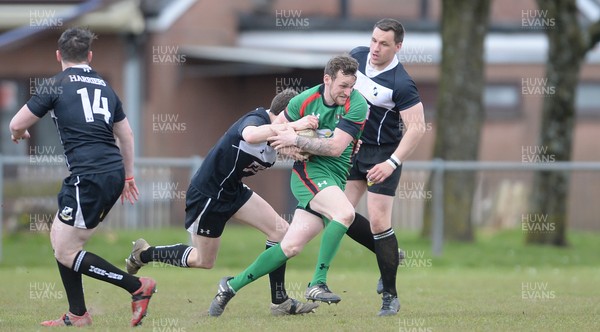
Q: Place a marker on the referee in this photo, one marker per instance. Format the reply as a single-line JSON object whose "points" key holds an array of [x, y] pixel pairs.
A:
{"points": [[393, 130]]}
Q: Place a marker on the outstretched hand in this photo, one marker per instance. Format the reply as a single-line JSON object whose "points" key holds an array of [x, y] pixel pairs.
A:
{"points": [[130, 192]]}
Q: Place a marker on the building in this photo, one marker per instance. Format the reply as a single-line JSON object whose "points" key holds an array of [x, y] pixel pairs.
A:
{"points": [[187, 69]]}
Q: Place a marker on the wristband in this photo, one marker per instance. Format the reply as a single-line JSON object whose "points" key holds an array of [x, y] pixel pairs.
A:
{"points": [[392, 163], [129, 179], [395, 160]]}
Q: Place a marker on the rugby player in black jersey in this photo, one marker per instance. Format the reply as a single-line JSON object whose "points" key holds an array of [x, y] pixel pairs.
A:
{"points": [[217, 194], [88, 115]]}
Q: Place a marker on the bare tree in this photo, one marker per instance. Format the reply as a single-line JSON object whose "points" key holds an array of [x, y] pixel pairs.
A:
{"points": [[460, 111], [568, 44]]}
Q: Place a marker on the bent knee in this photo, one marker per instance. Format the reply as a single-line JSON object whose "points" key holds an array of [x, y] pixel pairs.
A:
{"points": [[65, 257], [344, 216], [278, 232], [290, 250], [206, 264]]}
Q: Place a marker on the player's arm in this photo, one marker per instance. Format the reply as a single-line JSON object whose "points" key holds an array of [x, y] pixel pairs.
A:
{"points": [[414, 122], [333, 146], [259, 134], [348, 129], [281, 118], [124, 134], [21, 122], [122, 130]]}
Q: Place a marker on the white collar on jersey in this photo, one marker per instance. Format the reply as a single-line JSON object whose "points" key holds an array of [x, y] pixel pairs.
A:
{"points": [[82, 66], [370, 71]]}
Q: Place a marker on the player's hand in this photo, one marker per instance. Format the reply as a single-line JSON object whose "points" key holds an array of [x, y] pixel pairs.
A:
{"points": [[130, 192], [16, 139], [283, 138], [307, 122], [357, 147], [380, 172]]}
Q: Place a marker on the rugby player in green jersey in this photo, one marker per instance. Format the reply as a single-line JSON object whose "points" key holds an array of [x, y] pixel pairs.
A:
{"points": [[318, 183]]}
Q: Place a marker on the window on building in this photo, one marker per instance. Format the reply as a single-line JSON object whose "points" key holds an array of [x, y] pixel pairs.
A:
{"points": [[587, 100], [502, 101]]}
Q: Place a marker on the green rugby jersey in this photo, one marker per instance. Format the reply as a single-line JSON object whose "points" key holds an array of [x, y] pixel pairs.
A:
{"points": [[349, 117]]}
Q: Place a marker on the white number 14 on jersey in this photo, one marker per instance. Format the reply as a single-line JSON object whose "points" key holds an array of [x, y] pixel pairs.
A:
{"points": [[99, 105]]}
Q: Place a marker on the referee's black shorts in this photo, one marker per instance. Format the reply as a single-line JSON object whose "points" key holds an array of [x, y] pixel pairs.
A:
{"points": [[85, 200], [369, 156]]}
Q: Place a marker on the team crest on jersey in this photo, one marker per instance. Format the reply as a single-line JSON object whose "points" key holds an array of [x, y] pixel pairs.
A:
{"points": [[66, 213]]}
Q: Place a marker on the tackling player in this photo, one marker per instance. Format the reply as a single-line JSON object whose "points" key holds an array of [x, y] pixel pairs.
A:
{"points": [[217, 194]]}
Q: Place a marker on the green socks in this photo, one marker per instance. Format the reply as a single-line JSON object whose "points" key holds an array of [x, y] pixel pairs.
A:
{"points": [[266, 262], [330, 243]]}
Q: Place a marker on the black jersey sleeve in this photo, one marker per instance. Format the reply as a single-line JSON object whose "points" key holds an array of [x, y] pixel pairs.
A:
{"points": [[406, 94], [256, 118], [44, 97], [119, 113]]}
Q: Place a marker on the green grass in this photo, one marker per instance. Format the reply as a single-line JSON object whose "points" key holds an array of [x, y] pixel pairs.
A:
{"points": [[495, 284]]}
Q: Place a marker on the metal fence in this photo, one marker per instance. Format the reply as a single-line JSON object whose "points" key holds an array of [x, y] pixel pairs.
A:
{"points": [[29, 188]]}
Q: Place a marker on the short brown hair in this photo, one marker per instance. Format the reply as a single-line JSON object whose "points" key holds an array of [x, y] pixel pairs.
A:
{"points": [[388, 24], [75, 43], [280, 101], [347, 64]]}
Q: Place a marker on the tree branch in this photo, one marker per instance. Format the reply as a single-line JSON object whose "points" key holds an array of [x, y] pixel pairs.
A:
{"points": [[594, 36]]}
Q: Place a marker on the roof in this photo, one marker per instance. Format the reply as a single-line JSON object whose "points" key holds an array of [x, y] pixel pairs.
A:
{"points": [[111, 16], [312, 49]]}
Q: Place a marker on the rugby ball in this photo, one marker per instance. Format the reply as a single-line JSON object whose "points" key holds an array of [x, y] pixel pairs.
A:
{"points": [[311, 133]]}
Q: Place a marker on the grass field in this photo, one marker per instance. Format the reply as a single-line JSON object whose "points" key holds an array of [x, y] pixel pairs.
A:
{"points": [[495, 284]]}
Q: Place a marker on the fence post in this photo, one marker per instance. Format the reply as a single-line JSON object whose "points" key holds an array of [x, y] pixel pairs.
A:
{"points": [[437, 232], [1, 203]]}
